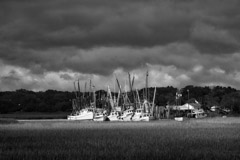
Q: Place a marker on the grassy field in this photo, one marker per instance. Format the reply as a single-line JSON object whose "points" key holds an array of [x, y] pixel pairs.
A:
{"points": [[35, 115], [216, 138]]}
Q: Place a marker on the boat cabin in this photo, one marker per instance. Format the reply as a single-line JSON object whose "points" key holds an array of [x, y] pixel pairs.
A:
{"points": [[139, 111], [114, 113], [146, 115]]}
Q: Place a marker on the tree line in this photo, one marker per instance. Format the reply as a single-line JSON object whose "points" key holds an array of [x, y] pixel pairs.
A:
{"points": [[54, 101]]}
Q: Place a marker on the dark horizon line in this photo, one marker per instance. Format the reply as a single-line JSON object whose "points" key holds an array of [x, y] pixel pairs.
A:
{"points": [[187, 86]]}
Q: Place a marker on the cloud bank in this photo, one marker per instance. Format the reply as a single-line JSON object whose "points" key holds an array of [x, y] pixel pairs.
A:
{"points": [[49, 44]]}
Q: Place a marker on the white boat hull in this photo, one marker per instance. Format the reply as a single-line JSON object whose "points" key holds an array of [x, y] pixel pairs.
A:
{"points": [[113, 118], [136, 118], [86, 116], [98, 118], [142, 118], [201, 115], [179, 119], [126, 117]]}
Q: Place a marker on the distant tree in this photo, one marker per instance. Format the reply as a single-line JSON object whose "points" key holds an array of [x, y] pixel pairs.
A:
{"points": [[52, 100], [231, 101], [6, 106]]}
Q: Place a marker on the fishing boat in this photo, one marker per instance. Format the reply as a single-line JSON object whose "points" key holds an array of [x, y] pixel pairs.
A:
{"points": [[140, 115], [146, 117], [137, 114], [114, 115], [127, 115], [98, 117], [179, 119], [99, 114], [83, 110], [198, 113], [145, 112], [83, 114]]}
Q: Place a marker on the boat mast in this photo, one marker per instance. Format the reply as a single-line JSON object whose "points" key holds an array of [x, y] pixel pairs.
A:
{"points": [[146, 89], [130, 85], [111, 99], [138, 99], [94, 97], [153, 103], [131, 82], [79, 95], [120, 91], [84, 98], [75, 90], [94, 101], [114, 97], [134, 98], [90, 91]]}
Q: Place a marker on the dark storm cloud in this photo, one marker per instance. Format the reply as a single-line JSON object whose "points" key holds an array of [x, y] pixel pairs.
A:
{"points": [[66, 77], [11, 77], [47, 24], [64, 23], [53, 23], [98, 37], [210, 39]]}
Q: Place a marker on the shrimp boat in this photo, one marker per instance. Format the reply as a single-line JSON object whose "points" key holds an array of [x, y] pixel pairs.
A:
{"points": [[146, 117], [114, 115], [83, 110], [127, 115], [179, 119], [83, 114], [140, 115], [198, 113], [87, 114], [99, 115], [137, 115], [145, 112]]}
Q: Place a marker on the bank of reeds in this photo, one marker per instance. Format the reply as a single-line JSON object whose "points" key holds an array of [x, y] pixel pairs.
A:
{"points": [[166, 139]]}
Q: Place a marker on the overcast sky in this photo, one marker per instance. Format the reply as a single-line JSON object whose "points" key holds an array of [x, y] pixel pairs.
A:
{"points": [[47, 44]]}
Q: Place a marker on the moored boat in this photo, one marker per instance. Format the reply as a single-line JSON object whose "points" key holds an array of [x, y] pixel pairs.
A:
{"points": [[179, 119], [199, 113], [139, 115], [127, 115], [146, 117], [99, 114], [114, 116], [83, 109], [83, 114]]}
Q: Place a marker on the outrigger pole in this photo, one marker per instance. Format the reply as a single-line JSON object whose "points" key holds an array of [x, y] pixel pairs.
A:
{"points": [[79, 95], [94, 100], [153, 103], [90, 91], [111, 99], [146, 89], [85, 88], [75, 90], [131, 81], [84, 99], [118, 98], [138, 99], [94, 97], [120, 91]]}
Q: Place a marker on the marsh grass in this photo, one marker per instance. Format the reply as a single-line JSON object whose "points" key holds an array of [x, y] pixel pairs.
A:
{"points": [[8, 121], [167, 139], [35, 115]]}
